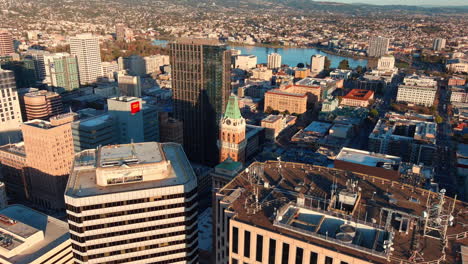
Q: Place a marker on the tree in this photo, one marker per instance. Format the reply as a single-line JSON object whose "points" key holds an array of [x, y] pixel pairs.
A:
{"points": [[344, 65], [374, 113], [359, 69], [300, 65], [327, 63], [269, 110], [439, 119]]}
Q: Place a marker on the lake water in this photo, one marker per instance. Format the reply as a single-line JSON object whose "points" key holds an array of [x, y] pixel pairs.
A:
{"points": [[290, 56]]}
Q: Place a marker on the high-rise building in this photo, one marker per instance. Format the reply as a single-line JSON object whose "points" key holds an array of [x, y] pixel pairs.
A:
{"points": [[49, 156], [24, 71], [134, 203], [232, 141], [317, 64], [10, 112], [31, 237], [134, 65], [285, 213], [61, 72], [13, 170], [378, 46], [136, 120], [153, 63], [201, 81], [274, 61], [37, 56], [42, 104], [86, 49], [439, 44], [6, 43], [109, 70], [129, 85]]}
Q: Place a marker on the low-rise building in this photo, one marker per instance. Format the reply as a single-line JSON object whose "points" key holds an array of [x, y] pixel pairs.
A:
{"points": [[284, 101], [341, 74], [417, 90], [357, 97], [458, 94], [245, 62], [30, 237], [274, 124], [457, 65]]}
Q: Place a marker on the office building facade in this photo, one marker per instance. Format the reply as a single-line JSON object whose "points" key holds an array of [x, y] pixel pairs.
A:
{"points": [[134, 203], [129, 85], [42, 104], [378, 46], [201, 81], [92, 132], [49, 156], [6, 43], [439, 44], [317, 64], [274, 61], [86, 49], [136, 120], [10, 115], [61, 72]]}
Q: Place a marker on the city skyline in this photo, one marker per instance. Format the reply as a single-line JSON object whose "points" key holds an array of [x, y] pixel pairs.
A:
{"points": [[427, 3]]}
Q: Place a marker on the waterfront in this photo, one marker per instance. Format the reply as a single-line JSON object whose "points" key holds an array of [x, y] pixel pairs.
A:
{"points": [[290, 56]]}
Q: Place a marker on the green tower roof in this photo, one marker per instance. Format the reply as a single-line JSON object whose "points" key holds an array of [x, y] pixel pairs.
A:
{"points": [[232, 108]]}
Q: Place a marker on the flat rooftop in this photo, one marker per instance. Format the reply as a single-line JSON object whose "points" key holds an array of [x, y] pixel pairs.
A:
{"points": [[366, 158], [15, 148], [168, 159], [358, 94], [318, 127], [28, 223], [312, 203]]}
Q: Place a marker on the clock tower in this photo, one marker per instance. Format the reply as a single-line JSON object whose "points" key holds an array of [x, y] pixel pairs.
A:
{"points": [[232, 140]]}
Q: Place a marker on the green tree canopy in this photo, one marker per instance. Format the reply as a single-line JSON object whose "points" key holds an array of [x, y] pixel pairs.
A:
{"points": [[344, 64]]}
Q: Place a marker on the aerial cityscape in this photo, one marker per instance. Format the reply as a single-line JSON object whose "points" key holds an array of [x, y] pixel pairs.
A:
{"points": [[233, 132]]}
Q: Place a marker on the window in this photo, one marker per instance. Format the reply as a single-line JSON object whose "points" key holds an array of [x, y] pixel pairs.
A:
{"points": [[272, 251], [313, 258], [328, 260], [299, 255], [234, 261], [259, 250], [285, 255], [343, 262], [235, 240], [247, 244]]}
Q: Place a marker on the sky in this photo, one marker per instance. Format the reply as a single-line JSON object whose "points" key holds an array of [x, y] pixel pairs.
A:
{"points": [[406, 2]]}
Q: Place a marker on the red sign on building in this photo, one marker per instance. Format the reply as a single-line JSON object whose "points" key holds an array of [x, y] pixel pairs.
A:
{"points": [[135, 107]]}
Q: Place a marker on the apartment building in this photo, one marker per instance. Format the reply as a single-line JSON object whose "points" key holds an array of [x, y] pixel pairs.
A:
{"points": [[10, 112], [285, 101], [417, 90]]}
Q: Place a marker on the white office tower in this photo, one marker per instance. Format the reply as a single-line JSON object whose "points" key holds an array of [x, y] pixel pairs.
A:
{"points": [[386, 63], [439, 44], [317, 64], [378, 46], [86, 48], [274, 61], [134, 203]]}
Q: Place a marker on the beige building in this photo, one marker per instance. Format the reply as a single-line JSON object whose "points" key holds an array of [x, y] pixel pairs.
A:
{"points": [[86, 49], [6, 43], [49, 155], [42, 104], [134, 203], [30, 237], [10, 112], [274, 124], [386, 63], [281, 212], [245, 62], [262, 73], [274, 61], [284, 101]]}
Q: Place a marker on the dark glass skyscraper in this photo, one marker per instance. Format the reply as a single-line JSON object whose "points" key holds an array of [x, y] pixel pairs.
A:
{"points": [[201, 81]]}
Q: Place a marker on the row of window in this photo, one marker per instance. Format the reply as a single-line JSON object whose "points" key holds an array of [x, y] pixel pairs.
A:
{"points": [[154, 255], [132, 231], [187, 232], [132, 221], [130, 212], [272, 250], [129, 202]]}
